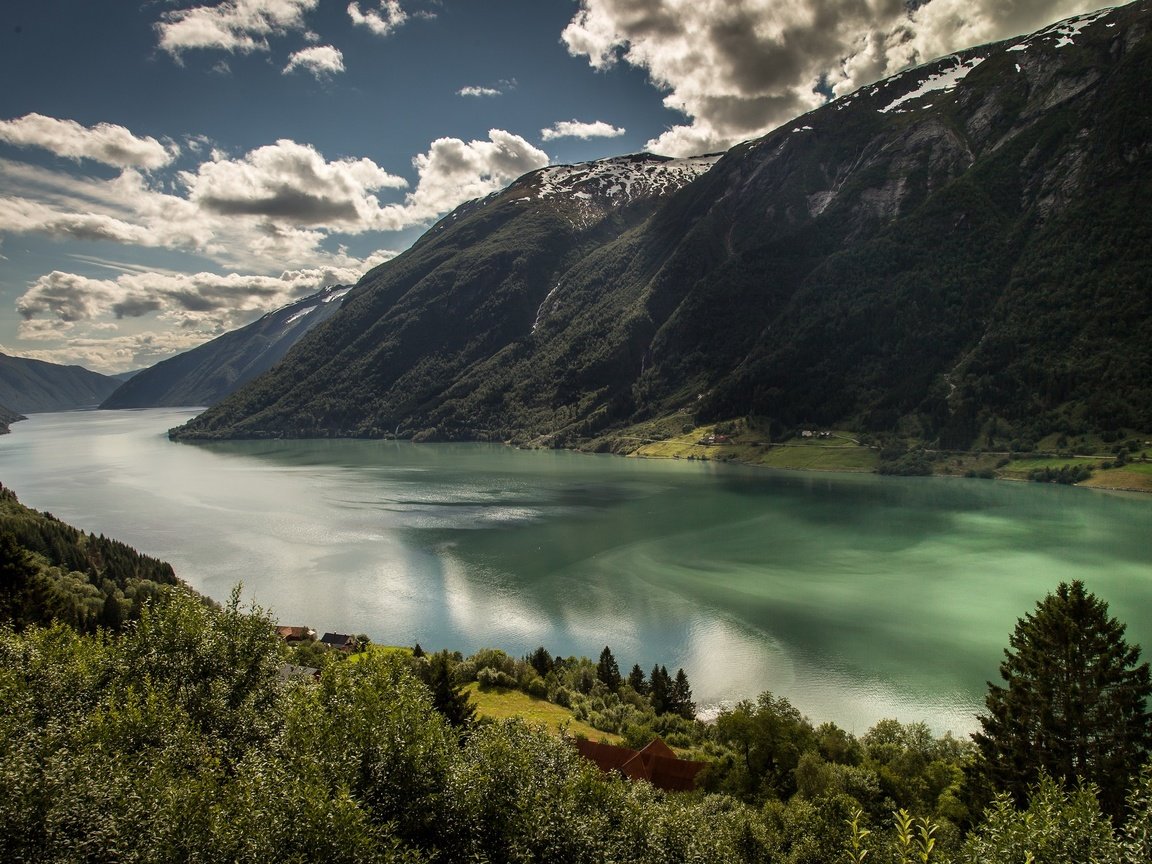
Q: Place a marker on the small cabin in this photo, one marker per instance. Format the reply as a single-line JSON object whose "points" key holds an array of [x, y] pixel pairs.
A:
{"points": [[655, 763]]}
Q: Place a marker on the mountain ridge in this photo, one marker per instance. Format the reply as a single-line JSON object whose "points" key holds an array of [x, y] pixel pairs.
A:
{"points": [[34, 386], [207, 373], [925, 255]]}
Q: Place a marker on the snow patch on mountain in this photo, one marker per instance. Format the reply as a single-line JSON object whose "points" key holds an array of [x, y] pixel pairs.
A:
{"points": [[1063, 32], [587, 191], [945, 80], [307, 305]]}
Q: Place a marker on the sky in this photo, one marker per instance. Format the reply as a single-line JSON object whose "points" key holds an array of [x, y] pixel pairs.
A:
{"points": [[172, 169]]}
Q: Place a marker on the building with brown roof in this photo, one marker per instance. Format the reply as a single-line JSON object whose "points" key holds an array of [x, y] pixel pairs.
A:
{"points": [[295, 634], [656, 763]]}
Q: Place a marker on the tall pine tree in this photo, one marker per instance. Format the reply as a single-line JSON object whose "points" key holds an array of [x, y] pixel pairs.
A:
{"points": [[680, 699], [607, 670], [448, 698], [637, 681], [1074, 704]]}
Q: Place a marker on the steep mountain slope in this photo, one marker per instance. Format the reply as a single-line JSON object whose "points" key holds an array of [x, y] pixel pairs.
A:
{"points": [[32, 386], [961, 251], [206, 374], [7, 418]]}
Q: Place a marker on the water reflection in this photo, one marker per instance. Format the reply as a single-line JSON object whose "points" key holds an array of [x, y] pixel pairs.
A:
{"points": [[857, 597]]}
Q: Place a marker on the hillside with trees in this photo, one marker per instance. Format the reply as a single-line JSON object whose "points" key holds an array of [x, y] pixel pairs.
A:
{"points": [[176, 736], [967, 267], [52, 571]]}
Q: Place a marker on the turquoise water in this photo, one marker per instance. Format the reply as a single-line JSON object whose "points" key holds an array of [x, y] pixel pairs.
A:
{"points": [[856, 596]]}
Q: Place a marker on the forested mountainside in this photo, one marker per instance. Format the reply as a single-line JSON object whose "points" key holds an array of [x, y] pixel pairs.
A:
{"points": [[206, 374], [8, 417], [32, 385], [52, 571], [959, 252]]}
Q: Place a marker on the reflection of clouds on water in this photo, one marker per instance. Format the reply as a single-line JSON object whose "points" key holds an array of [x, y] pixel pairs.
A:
{"points": [[856, 597]]}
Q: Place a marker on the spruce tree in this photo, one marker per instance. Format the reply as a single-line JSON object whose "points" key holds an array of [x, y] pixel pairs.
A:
{"points": [[661, 687], [607, 670], [541, 661], [637, 681], [680, 699], [447, 698], [1075, 704]]}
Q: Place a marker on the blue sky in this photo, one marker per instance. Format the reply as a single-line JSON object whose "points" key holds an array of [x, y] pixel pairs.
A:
{"points": [[171, 169]]}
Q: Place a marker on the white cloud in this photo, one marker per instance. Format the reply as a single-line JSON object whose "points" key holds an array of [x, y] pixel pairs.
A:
{"points": [[382, 22], [196, 306], [454, 171], [292, 183], [577, 129], [105, 142], [479, 91], [320, 60], [234, 25], [739, 68]]}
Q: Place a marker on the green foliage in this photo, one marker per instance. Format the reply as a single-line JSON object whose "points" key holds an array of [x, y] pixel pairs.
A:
{"points": [[82, 579], [1065, 474], [1075, 704], [448, 697], [1058, 826], [607, 670]]}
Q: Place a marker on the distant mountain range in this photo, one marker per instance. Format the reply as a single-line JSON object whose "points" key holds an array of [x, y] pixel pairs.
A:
{"points": [[32, 386], [208, 373], [961, 253]]}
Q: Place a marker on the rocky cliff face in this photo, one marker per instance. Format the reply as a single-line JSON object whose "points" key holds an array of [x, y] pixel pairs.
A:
{"points": [[958, 249]]}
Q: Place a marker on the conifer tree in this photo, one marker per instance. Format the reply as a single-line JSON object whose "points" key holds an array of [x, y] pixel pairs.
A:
{"points": [[661, 689], [637, 681], [1075, 704], [541, 661], [607, 670], [447, 698], [680, 699]]}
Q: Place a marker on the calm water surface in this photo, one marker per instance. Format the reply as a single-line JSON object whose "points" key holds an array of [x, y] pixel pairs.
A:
{"points": [[856, 596]]}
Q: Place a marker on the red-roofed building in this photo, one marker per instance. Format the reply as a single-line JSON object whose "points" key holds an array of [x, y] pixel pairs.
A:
{"points": [[656, 763]]}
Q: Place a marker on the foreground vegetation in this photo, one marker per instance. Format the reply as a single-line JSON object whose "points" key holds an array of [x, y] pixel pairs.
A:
{"points": [[180, 737]]}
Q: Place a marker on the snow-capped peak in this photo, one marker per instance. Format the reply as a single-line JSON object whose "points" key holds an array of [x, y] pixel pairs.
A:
{"points": [[588, 190]]}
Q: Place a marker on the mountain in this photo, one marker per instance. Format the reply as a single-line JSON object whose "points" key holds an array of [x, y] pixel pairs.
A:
{"points": [[33, 386], [7, 418], [208, 373], [960, 252]]}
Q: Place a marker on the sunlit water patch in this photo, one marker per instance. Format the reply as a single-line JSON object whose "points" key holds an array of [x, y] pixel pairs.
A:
{"points": [[858, 597]]}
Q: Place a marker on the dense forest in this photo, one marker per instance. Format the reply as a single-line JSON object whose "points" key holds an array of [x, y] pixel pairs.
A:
{"points": [[178, 736], [52, 571]]}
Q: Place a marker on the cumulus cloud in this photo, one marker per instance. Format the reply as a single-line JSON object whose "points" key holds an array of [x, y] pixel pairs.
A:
{"points": [[454, 171], [320, 60], [739, 68], [479, 91], [292, 183], [383, 22], [105, 142], [237, 26], [273, 206], [577, 129], [60, 302]]}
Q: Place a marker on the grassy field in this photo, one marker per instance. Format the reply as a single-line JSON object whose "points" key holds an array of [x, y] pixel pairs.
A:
{"points": [[675, 437], [745, 445], [500, 704]]}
